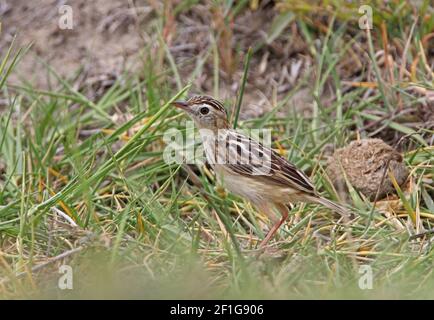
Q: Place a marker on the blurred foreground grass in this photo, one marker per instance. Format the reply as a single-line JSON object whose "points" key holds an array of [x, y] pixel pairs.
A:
{"points": [[87, 178]]}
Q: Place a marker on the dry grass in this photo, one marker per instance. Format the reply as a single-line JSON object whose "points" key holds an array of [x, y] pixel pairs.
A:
{"points": [[83, 180]]}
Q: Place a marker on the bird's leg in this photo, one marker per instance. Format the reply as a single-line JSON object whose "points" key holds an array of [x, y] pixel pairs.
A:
{"points": [[284, 211]]}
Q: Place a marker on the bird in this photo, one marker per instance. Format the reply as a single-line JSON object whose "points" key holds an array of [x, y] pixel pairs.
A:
{"points": [[247, 168]]}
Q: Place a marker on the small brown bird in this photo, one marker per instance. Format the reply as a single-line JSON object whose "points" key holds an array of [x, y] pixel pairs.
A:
{"points": [[248, 168]]}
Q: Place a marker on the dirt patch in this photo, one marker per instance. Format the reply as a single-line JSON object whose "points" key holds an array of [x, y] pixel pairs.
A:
{"points": [[109, 38], [113, 37], [105, 39]]}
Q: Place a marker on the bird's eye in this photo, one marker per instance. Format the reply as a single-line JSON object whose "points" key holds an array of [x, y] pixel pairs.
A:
{"points": [[204, 110]]}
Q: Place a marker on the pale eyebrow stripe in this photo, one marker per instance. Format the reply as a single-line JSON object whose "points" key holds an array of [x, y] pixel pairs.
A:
{"points": [[215, 104], [210, 101]]}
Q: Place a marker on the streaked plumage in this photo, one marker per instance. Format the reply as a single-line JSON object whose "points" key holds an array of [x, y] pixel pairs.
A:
{"points": [[249, 169]]}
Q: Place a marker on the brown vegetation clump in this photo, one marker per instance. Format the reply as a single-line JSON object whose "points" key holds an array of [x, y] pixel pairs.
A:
{"points": [[364, 163]]}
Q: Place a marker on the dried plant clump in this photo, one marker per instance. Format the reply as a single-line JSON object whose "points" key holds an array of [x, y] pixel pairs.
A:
{"points": [[364, 163]]}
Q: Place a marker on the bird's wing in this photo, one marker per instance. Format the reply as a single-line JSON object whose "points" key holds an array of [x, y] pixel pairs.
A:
{"points": [[248, 157]]}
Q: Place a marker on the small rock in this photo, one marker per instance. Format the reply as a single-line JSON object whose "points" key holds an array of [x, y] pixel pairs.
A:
{"points": [[364, 163]]}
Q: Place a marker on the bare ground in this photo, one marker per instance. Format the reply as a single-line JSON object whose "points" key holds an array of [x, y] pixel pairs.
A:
{"points": [[111, 38]]}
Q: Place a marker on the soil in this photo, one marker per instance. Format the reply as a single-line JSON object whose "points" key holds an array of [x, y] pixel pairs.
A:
{"points": [[109, 37], [112, 38], [103, 42]]}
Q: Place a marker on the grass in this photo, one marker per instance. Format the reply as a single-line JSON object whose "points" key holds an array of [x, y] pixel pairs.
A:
{"points": [[84, 189]]}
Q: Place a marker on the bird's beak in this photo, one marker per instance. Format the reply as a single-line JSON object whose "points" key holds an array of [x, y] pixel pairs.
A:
{"points": [[181, 105]]}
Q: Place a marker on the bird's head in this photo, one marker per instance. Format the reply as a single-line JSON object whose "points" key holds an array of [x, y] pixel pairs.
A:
{"points": [[206, 112]]}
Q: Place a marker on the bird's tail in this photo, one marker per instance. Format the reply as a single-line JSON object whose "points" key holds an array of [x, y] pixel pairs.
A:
{"points": [[331, 205]]}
